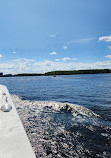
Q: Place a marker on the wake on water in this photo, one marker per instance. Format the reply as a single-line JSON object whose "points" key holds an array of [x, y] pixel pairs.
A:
{"points": [[64, 130]]}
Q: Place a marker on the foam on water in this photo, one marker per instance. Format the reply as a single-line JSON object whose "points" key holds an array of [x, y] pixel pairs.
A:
{"points": [[64, 130]]}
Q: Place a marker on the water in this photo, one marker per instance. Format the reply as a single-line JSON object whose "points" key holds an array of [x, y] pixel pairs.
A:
{"points": [[74, 133], [92, 90]]}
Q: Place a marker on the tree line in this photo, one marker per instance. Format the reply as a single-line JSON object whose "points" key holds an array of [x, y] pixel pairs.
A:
{"points": [[60, 72], [68, 72]]}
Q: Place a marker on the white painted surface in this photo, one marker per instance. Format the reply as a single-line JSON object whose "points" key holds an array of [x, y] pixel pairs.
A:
{"points": [[14, 142]]}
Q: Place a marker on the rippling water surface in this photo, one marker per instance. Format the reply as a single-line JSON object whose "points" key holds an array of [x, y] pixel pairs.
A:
{"points": [[89, 136], [92, 91]]}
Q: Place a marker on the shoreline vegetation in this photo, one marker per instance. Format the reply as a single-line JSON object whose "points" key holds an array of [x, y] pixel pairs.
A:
{"points": [[60, 72]]}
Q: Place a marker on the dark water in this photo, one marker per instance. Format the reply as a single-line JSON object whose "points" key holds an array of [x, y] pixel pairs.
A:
{"points": [[65, 132], [92, 90]]}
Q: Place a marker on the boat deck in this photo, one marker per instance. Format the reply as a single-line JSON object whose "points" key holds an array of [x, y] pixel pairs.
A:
{"points": [[14, 142]]}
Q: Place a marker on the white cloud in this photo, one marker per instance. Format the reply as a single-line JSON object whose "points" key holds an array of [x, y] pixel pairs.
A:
{"points": [[52, 36], [53, 53], [67, 58], [24, 60], [65, 47], [14, 52], [1, 56], [108, 56], [105, 38], [83, 40], [24, 65], [57, 59]]}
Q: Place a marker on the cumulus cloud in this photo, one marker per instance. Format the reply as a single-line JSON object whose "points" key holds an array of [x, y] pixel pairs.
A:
{"points": [[67, 58], [23, 65], [65, 47], [53, 53], [24, 60], [105, 38], [108, 56], [1, 56]]}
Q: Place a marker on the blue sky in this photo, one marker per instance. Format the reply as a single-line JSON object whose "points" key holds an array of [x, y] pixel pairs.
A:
{"points": [[45, 35]]}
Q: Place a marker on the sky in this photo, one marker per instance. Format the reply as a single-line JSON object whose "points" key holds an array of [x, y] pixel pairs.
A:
{"points": [[38, 36]]}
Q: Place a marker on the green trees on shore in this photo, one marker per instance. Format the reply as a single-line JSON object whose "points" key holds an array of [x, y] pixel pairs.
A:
{"points": [[73, 72], [68, 72], [61, 72]]}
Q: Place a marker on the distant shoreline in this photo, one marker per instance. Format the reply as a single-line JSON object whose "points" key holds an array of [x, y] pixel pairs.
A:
{"points": [[61, 72]]}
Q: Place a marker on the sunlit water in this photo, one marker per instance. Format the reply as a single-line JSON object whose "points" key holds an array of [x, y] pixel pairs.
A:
{"points": [[85, 135], [92, 91]]}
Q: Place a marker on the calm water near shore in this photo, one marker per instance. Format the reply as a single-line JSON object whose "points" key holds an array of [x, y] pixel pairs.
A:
{"points": [[66, 131]]}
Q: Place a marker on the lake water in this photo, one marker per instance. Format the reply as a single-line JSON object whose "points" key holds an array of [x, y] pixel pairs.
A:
{"points": [[74, 133], [91, 90]]}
